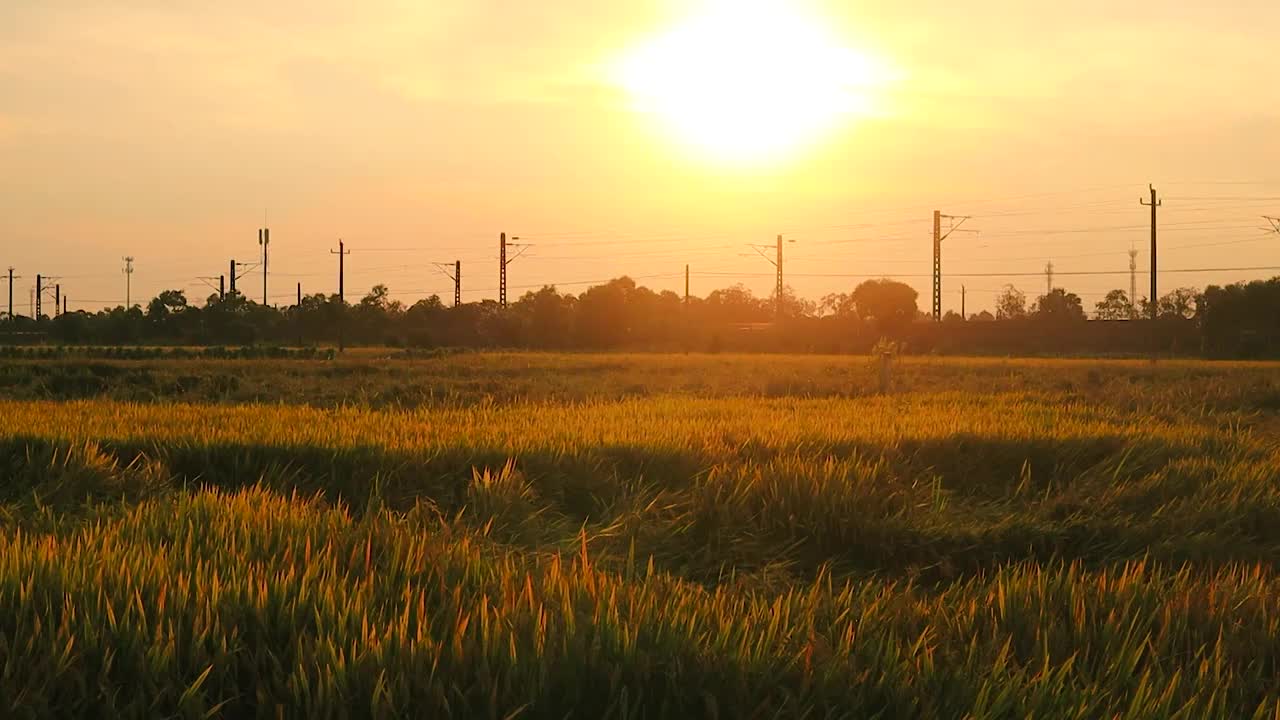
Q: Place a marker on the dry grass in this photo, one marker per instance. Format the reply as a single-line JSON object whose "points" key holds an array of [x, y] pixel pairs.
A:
{"points": [[1072, 543]]}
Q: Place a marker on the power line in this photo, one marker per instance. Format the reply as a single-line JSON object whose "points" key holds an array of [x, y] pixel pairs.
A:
{"points": [[1002, 258], [1073, 273], [1225, 182], [208, 281], [889, 231], [1045, 211], [554, 284], [1236, 198], [1218, 244], [544, 236]]}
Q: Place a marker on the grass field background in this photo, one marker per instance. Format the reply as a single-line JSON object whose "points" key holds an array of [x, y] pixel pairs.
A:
{"points": [[497, 535]]}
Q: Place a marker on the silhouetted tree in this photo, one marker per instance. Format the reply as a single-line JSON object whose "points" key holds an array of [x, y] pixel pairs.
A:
{"points": [[890, 303], [735, 304], [1060, 305], [1012, 304], [837, 305], [604, 318], [1115, 306], [547, 317], [165, 304], [1180, 303], [316, 319], [161, 312], [424, 322], [794, 306], [1238, 320]]}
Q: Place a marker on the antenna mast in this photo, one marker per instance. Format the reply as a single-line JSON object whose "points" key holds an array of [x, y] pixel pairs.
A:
{"points": [[128, 282]]}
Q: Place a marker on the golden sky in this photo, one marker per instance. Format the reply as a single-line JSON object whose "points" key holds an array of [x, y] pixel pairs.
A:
{"points": [[418, 131]]}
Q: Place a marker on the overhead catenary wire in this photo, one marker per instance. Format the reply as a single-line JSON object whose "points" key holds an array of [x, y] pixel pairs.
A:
{"points": [[1036, 273]]}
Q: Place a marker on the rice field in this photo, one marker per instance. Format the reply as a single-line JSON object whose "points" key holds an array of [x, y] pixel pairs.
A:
{"points": [[539, 536]]}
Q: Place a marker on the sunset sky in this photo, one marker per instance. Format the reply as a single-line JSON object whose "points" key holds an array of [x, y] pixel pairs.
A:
{"points": [[417, 131]]}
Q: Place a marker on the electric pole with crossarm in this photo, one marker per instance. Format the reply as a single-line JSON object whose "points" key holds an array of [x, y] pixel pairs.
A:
{"points": [[1154, 205], [342, 253], [779, 287], [503, 262], [42, 289], [454, 273], [12, 277], [938, 236]]}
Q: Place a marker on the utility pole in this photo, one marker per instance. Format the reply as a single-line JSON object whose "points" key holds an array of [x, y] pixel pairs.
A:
{"points": [[12, 277], [938, 237], [1155, 203], [342, 254], [298, 309], [57, 299], [503, 262], [128, 283], [1048, 278], [963, 295], [222, 287], [778, 291], [1133, 283], [686, 284], [40, 290], [238, 271], [776, 261], [455, 276], [64, 304], [264, 239], [937, 265]]}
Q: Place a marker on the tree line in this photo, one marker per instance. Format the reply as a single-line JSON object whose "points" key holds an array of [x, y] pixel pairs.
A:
{"points": [[1238, 320]]}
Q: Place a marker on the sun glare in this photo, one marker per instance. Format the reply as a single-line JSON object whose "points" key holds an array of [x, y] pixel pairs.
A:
{"points": [[749, 81]]}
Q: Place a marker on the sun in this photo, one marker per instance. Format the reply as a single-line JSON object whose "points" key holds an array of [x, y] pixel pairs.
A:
{"points": [[749, 81]]}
